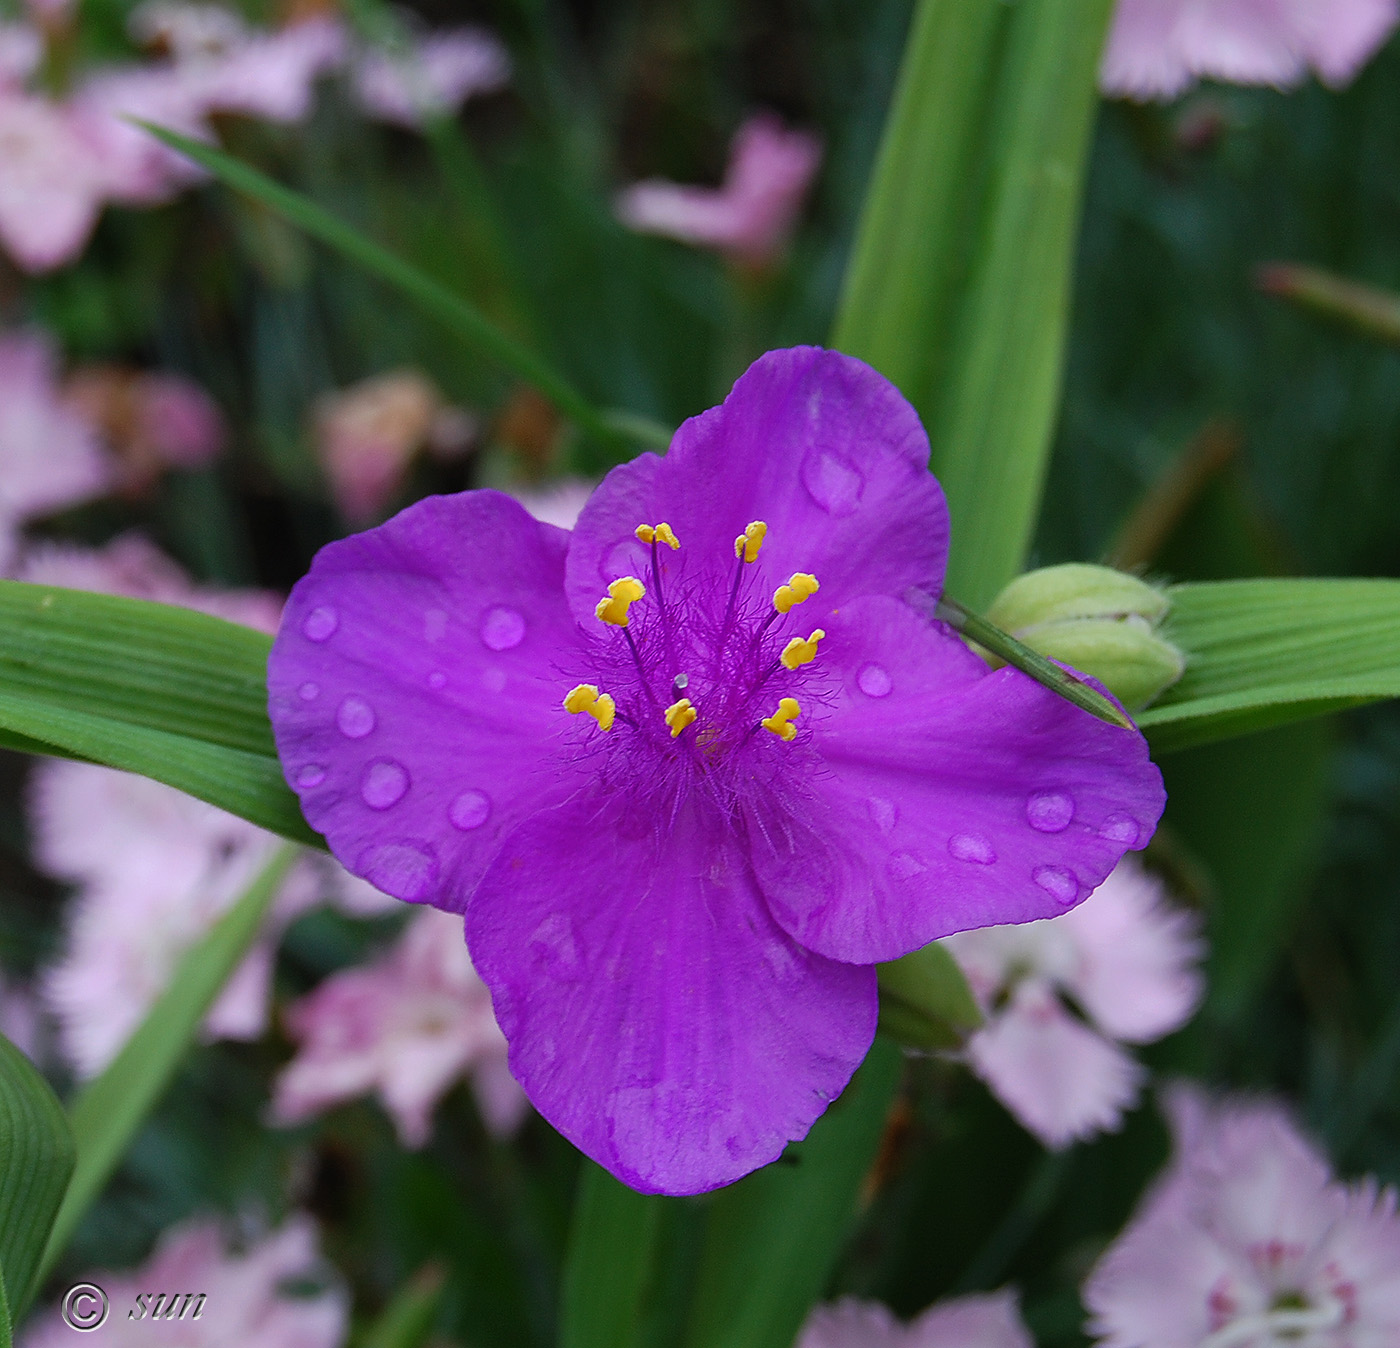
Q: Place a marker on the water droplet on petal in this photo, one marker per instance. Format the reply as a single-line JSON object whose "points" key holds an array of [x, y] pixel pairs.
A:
{"points": [[355, 718], [320, 624], [437, 679], [1121, 828], [874, 681], [625, 558], [309, 692], [832, 483], [503, 629], [493, 679], [1049, 811], [313, 774], [972, 847], [904, 866], [884, 813], [469, 810], [553, 943], [434, 625], [383, 784], [1058, 882], [406, 869]]}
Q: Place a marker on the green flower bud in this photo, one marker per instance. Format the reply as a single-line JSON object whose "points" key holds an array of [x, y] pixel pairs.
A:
{"points": [[1101, 621]]}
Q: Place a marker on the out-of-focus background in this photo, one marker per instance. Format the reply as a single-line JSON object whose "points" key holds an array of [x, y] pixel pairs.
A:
{"points": [[1281, 430]]}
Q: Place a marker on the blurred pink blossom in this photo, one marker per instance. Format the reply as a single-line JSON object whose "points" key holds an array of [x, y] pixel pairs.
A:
{"points": [[21, 50], [1157, 48], [50, 456], [434, 76], [244, 1301], [408, 1026], [1248, 1240], [556, 503], [367, 435], [51, 181], [21, 1018], [1125, 958], [991, 1321], [53, 15], [751, 216], [268, 75]]}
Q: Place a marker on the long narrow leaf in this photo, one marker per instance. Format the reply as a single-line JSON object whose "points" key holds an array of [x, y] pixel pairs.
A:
{"points": [[36, 1160], [452, 310], [107, 1113], [611, 1263], [1265, 652], [773, 1238]]}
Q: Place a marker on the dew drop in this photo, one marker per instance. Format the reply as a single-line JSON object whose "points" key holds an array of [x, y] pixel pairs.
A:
{"points": [[383, 783], [553, 943], [832, 483], [320, 624], [469, 810], [406, 869], [1058, 882], [626, 558], [355, 718], [973, 848], [503, 629], [1049, 811], [437, 679], [884, 814], [904, 866], [493, 679], [1121, 828], [313, 774], [434, 625], [874, 681], [309, 692]]}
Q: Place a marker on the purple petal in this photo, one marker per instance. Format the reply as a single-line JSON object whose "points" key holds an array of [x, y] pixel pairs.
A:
{"points": [[951, 797], [819, 446], [414, 692], [656, 1015]]}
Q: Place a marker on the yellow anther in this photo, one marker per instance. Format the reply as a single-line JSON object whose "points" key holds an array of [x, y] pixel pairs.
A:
{"points": [[658, 533], [679, 715], [780, 723], [622, 593], [599, 706], [800, 587], [799, 652], [749, 542]]}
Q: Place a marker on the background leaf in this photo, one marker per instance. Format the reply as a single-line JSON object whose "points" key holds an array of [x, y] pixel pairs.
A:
{"points": [[1264, 652], [108, 1111], [36, 1160]]}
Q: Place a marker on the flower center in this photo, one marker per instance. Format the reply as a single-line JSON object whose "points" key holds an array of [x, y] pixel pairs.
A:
{"points": [[698, 669], [1291, 1320]]}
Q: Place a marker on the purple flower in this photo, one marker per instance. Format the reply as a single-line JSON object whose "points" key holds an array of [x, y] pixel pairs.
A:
{"points": [[245, 1301], [433, 77], [990, 1321], [1157, 48], [1125, 958], [751, 216], [409, 1026], [778, 771], [1248, 1241]]}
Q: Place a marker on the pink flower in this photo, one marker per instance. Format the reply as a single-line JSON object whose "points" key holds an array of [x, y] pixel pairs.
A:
{"points": [[51, 182], [557, 503], [21, 50], [433, 77], [965, 1322], [269, 75], [1248, 1241], [1124, 957], [1158, 47], [752, 215], [409, 1026], [244, 1300], [49, 454], [367, 435]]}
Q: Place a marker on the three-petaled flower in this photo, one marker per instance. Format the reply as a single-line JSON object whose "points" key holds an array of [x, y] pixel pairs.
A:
{"points": [[678, 893]]}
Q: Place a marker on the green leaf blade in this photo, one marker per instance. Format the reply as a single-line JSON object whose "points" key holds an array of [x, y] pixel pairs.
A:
{"points": [[36, 1161]]}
